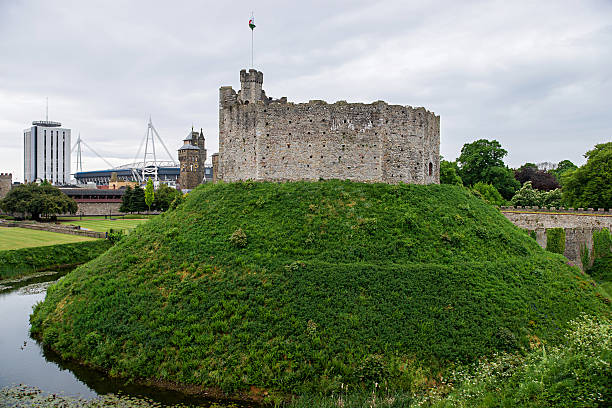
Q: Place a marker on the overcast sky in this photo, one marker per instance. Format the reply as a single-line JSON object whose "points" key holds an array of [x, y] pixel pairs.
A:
{"points": [[535, 75]]}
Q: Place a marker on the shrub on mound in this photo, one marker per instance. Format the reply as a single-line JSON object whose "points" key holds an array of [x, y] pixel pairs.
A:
{"points": [[325, 283]]}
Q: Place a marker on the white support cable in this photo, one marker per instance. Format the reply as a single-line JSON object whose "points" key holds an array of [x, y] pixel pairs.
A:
{"points": [[163, 144], [96, 153]]}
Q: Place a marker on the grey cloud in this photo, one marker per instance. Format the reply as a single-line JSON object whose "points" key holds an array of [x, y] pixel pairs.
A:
{"points": [[534, 75]]}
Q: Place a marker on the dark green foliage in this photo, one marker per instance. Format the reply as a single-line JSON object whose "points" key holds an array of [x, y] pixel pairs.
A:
{"points": [[164, 196], [114, 236], [178, 200], [21, 261], [126, 200], [533, 234], [138, 200], [585, 257], [602, 243], [40, 201], [590, 186], [340, 282], [482, 161], [575, 373], [449, 173], [555, 240], [489, 193]]}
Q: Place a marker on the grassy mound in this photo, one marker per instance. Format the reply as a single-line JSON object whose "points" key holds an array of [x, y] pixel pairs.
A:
{"points": [[301, 287]]}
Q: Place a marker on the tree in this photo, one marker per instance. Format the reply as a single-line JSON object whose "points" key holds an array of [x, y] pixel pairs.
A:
{"points": [[448, 173], [164, 197], [481, 161], [126, 200], [590, 186], [489, 193], [540, 179], [40, 201], [138, 199], [562, 167], [149, 193], [528, 196]]}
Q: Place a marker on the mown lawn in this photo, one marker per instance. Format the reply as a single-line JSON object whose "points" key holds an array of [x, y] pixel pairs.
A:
{"points": [[103, 225], [17, 238]]}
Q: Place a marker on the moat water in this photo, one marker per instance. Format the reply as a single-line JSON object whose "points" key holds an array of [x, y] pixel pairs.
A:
{"points": [[24, 361]]}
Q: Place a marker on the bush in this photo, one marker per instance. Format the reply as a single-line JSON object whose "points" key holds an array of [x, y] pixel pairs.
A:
{"points": [[238, 238], [555, 240], [489, 193], [114, 236]]}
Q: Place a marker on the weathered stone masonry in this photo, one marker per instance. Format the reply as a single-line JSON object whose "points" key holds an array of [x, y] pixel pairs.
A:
{"points": [[265, 139], [579, 226]]}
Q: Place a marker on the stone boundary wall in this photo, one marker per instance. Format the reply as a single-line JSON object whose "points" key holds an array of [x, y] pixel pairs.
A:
{"points": [[99, 208], [597, 211], [62, 229], [579, 226], [532, 219]]}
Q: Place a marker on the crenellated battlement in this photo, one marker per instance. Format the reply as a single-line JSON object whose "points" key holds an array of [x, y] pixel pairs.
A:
{"points": [[561, 210], [262, 138], [6, 175]]}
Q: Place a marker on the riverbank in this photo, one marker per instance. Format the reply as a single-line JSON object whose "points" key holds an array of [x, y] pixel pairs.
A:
{"points": [[19, 262]]}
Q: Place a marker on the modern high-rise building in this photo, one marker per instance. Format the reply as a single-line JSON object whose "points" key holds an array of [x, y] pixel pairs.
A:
{"points": [[46, 153]]}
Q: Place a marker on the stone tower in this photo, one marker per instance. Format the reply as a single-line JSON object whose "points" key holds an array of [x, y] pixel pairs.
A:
{"points": [[192, 156], [6, 181]]}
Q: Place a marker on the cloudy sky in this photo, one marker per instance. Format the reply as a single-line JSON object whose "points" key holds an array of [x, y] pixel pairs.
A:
{"points": [[535, 75]]}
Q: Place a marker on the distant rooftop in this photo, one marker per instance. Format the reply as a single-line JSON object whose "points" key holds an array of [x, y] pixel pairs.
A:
{"points": [[46, 123]]}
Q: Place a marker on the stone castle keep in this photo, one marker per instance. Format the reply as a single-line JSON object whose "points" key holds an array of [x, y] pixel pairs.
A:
{"points": [[261, 138]]}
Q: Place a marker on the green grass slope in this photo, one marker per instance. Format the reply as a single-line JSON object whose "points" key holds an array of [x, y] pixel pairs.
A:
{"points": [[332, 283]]}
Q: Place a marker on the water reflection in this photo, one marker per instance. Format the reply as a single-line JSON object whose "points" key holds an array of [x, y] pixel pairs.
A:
{"points": [[24, 361]]}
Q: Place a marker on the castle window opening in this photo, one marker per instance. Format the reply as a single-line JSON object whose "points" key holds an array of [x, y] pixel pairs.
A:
{"points": [[430, 168], [288, 145]]}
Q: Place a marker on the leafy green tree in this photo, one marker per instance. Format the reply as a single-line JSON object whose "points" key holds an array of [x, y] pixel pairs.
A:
{"points": [[482, 161], [449, 173], [40, 201], [149, 193], [138, 199], [126, 200], [164, 197], [562, 167], [489, 193], [590, 186]]}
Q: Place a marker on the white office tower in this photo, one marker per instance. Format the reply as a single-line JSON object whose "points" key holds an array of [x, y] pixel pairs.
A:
{"points": [[46, 153]]}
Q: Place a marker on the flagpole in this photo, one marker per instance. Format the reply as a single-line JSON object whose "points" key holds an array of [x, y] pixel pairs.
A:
{"points": [[252, 27]]}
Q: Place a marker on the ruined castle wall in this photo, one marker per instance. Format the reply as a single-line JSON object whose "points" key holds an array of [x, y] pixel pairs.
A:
{"points": [[363, 142]]}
